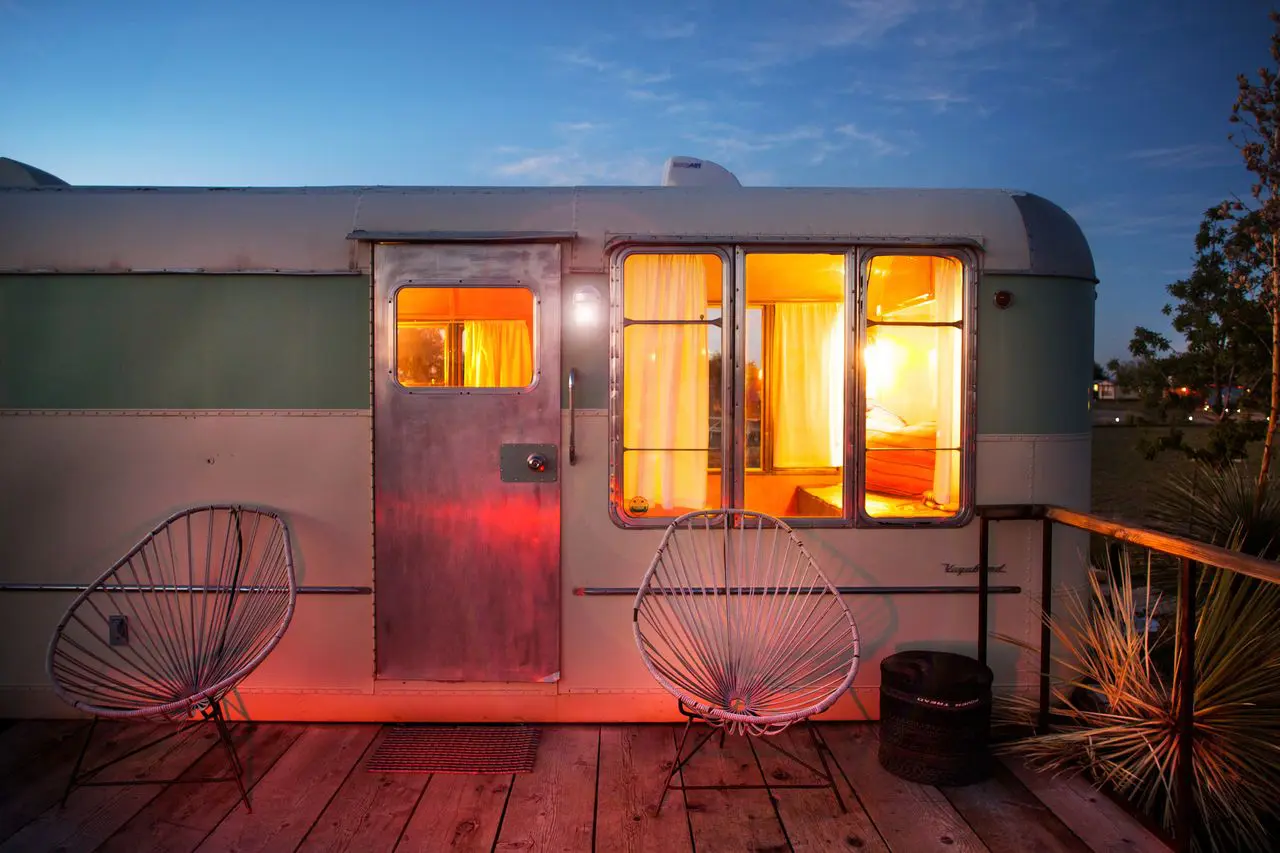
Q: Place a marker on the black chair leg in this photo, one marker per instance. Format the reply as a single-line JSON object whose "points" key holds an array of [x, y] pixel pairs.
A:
{"points": [[75, 770], [224, 735]]}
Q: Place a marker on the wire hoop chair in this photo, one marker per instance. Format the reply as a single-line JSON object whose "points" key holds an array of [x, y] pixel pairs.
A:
{"points": [[176, 624], [737, 621]]}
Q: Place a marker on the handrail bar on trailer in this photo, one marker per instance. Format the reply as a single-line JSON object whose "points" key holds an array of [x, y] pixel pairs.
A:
{"points": [[81, 587], [1190, 552]]}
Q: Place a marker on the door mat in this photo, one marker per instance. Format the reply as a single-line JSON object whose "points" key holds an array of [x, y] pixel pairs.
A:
{"points": [[456, 749]]}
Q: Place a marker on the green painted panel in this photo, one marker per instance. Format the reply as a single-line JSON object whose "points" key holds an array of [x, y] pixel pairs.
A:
{"points": [[184, 342], [1035, 358]]}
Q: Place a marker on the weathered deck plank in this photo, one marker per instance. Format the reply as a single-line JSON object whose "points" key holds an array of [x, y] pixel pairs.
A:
{"points": [[634, 763], [369, 811], [729, 820], [459, 813], [293, 794], [1089, 813], [37, 758], [182, 816], [909, 817], [1008, 817], [94, 814], [553, 808], [311, 791], [812, 818]]}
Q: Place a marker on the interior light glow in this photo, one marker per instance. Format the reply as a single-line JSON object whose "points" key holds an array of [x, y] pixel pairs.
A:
{"points": [[586, 306], [883, 360]]}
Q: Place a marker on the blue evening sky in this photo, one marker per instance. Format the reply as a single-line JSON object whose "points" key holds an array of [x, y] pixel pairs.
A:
{"points": [[1115, 109]]}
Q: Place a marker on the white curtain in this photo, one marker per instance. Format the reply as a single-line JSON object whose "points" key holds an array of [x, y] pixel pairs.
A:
{"points": [[665, 396], [807, 406], [947, 281], [496, 354]]}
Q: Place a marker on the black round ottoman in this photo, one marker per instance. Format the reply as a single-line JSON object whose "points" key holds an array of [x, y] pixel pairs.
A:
{"points": [[935, 717]]}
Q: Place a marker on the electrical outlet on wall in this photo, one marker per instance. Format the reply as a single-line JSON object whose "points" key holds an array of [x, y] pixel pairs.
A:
{"points": [[118, 630]]}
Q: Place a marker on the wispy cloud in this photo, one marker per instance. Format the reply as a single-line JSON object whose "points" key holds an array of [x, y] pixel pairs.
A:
{"points": [[859, 22], [810, 143], [941, 95], [936, 29], [1174, 215], [628, 74], [670, 29], [586, 156], [876, 143], [571, 127], [727, 140], [651, 96], [16, 8], [1201, 155]]}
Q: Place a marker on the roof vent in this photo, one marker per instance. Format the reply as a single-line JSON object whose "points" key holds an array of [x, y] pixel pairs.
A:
{"points": [[693, 172], [15, 174]]}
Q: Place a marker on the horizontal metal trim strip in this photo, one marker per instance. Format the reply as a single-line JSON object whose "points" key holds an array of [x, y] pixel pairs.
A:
{"points": [[835, 241], [191, 413], [1028, 437], [843, 590], [462, 236], [81, 587], [229, 270]]}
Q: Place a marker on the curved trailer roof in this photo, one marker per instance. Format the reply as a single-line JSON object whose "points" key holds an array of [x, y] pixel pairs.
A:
{"points": [[321, 229]]}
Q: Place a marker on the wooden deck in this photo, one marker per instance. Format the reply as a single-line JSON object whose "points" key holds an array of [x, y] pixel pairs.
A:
{"points": [[593, 788]]}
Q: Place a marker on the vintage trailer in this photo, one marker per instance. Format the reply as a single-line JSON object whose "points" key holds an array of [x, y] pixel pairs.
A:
{"points": [[478, 408]]}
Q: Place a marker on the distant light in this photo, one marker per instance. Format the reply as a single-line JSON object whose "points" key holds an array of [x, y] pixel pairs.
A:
{"points": [[1117, 420], [586, 306], [1190, 418]]}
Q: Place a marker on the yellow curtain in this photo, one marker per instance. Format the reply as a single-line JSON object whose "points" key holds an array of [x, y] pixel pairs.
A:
{"points": [[807, 400], [496, 354], [948, 281], [665, 398]]}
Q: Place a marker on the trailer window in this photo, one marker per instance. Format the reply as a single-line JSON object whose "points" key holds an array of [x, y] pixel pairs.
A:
{"points": [[741, 393], [706, 420], [795, 372], [913, 377], [464, 337], [671, 356]]}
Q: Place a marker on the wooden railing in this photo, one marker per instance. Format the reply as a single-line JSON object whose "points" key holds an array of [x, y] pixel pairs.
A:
{"points": [[1191, 554]]}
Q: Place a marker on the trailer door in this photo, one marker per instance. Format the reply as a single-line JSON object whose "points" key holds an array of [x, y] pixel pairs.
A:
{"points": [[466, 434]]}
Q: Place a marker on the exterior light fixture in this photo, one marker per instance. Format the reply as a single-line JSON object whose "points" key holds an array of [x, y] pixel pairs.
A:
{"points": [[1003, 299], [586, 306]]}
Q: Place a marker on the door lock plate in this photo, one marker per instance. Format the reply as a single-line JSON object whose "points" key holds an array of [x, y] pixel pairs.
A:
{"points": [[528, 463]]}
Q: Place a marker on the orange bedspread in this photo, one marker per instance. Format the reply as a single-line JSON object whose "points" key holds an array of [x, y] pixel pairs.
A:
{"points": [[904, 465]]}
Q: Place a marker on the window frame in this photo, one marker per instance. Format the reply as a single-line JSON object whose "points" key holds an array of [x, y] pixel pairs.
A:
{"points": [[617, 366], [970, 273], [857, 257], [393, 344]]}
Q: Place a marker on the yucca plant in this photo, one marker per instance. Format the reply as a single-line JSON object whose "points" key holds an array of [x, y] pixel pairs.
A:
{"points": [[1220, 506], [1115, 719]]}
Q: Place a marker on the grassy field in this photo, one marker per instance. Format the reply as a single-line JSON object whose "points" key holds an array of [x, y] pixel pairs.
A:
{"points": [[1124, 482]]}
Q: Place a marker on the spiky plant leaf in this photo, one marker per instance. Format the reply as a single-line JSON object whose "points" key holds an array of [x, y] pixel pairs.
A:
{"points": [[1127, 736]]}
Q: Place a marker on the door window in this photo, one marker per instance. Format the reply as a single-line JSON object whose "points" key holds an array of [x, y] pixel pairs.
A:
{"points": [[464, 337]]}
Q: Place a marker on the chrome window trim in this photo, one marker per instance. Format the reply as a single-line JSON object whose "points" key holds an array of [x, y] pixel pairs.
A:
{"points": [[617, 260], [459, 390], [857, 258], [970, 264]]}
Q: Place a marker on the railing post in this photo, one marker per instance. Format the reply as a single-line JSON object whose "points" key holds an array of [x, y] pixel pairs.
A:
{"points": [[1046, 611], [984, 581], [1184, 794]]}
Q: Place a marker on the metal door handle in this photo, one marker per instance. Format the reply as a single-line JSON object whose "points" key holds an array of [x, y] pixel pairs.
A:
{"points": [[573, 444], [537, 462]]}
